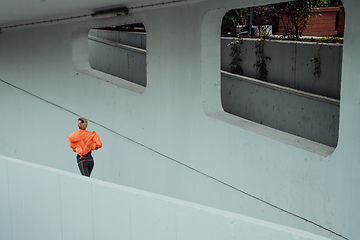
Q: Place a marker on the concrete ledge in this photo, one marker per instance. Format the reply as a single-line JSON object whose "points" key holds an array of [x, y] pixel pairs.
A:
{"points": [[119, 45], [117, 59], [306, 115], [61, 201], [134, 39], [282, 88]]}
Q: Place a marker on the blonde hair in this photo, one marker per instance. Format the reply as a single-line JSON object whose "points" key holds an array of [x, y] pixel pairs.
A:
{"points": [[82, 123]]}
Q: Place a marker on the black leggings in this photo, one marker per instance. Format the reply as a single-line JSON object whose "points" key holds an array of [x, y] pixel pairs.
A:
{"points": [[85, 164]]}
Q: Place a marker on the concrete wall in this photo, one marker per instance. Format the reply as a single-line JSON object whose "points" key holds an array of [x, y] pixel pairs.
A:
{"points": [[61, 205], [178, 116], [309, 116], [303, 114], [117, 59], [306, 115], [134, 39], [291, 64]]}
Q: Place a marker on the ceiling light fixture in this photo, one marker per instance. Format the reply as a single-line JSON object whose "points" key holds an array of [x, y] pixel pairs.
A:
{"points": [[111, 13]]}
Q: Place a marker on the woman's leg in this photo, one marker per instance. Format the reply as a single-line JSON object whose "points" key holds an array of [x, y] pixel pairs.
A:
{"points": [[90, 166], [86, 166]]}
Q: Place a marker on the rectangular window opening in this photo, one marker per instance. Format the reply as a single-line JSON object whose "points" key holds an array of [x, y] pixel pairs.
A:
{"points": [[273, 76], [119, 51]]}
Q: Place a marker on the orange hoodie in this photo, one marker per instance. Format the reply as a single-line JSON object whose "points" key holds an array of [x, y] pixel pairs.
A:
{"points": [[82, 141]]}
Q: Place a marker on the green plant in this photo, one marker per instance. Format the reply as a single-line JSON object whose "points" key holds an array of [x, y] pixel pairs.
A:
{"points": [[328, 39], [316, 60], [295, 15], [233, 18], [236, 56], [261, 70], [317, 68], [263, 17]]}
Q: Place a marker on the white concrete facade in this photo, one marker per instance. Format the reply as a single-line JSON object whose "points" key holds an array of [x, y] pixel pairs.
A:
{"points": [[303, 114], [178, 116]]}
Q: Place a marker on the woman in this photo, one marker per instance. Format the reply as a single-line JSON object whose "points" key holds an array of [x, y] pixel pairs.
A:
{"points": [[83, 142]]}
